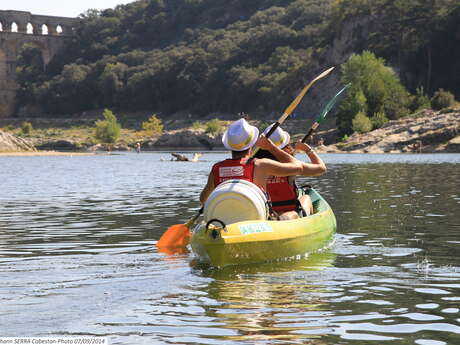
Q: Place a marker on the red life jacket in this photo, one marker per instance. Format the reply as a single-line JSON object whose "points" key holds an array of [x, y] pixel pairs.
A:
{"points": [[283, 195], [241, 168]]}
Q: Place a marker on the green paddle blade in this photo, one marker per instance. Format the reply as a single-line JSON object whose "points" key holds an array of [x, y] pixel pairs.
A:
{"points": [[323, 114], [330, 104]]}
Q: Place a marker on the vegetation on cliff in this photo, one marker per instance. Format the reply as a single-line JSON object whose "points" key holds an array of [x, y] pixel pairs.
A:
{"points": [[207, 56]]}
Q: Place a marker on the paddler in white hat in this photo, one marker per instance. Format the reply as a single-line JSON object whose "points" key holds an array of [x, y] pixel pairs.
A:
{"points": [[239, 138], [288, 201]]}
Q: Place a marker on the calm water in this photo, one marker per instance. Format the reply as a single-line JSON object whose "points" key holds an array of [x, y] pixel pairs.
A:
{"points": [[77, 256]]}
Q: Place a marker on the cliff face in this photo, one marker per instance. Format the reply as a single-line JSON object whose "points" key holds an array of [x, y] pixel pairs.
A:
{"points": [[340, 50], [427, 131], [11, 143]]}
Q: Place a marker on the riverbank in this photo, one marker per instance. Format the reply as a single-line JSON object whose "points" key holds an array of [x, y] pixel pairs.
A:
{"points": [[44, 153], [427, 131]]}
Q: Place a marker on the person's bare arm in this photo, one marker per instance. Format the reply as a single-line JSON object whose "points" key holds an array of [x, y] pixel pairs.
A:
{"points": [[316, 167], [207, 189], [265, 143], [269, 167]]}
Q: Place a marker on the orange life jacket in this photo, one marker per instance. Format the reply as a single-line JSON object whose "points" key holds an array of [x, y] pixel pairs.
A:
{"points": [[241, 168], [283, 194]]}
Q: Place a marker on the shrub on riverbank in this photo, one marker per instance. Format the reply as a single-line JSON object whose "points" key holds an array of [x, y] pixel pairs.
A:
{"points": [[378, 120], [442, 99], [108, 130], [153, 126], [214, 127], [361, 123], [26, 128]]}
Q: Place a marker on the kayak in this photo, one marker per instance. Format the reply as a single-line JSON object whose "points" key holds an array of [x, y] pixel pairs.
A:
{"points": [[255, 241]]}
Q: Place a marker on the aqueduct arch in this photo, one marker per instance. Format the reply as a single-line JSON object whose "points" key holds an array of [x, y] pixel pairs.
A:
{"points": [[18, 28]]}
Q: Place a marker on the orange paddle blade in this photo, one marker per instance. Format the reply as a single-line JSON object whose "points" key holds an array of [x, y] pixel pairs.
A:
{"points": [[173, 251], [176, 236]]}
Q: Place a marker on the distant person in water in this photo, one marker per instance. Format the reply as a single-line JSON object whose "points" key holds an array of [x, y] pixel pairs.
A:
{"points": [[286, 198], [239, 138], [138, 147]]}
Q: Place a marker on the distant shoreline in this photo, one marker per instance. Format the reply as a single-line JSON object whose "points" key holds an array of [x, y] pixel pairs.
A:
{"points": [[103, 153], [45, 153]]}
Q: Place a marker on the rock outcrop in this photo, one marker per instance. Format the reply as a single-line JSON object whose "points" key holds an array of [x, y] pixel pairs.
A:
{"points": [[59, 145], [188, 138], [427, 131], [11, 143]]}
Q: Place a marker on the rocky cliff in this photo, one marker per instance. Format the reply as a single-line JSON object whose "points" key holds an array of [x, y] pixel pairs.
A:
{"points": [[427, 131], [11, 143]]}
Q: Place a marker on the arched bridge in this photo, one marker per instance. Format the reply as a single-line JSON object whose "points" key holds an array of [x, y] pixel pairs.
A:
{"points": [[17, 28]]}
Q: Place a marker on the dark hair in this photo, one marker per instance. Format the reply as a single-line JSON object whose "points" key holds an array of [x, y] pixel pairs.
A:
{"points": [[264, 154], [239, 154]]}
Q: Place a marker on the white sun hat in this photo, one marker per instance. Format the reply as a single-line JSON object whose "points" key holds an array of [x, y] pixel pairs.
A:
{"points": [[240, 136], [279, 137]]}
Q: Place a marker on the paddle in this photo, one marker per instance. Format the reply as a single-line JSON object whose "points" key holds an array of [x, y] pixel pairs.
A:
{"points": [[293, 105], [323, 114], [179, 235]]}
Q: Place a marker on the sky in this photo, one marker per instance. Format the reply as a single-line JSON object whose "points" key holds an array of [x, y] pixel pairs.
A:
{"points": [[59, 8]]}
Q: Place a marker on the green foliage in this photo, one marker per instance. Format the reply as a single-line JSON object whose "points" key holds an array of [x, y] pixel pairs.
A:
{"points": [[378, 120], [375, 88], [108, 130], [344, 138], [213, 127], [219, 56], [355, 102], [361, 123], [9, 128], [29, 73], [153, 126], [197, 125], [26, 128], [263, 126], [420, 100], [442, 99], [417, 36], [206, 56]]}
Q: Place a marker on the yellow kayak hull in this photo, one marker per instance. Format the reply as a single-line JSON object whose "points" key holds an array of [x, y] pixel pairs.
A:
{"points": [[259, 241]]}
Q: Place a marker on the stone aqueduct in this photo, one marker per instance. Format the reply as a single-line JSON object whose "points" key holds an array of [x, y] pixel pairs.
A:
{"points": [[17, 28]]}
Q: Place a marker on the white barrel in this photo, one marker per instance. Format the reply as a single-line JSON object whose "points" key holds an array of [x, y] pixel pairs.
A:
{"points": [[235, 201]]}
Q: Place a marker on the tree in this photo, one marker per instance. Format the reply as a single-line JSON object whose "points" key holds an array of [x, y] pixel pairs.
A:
{"points": [[353, 104], [29, 73], [153, 126], [111, 81], [108, 130], [375, 88]]}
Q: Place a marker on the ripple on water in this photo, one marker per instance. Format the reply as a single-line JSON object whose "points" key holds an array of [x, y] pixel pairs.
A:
{"points": [[79, 257]]}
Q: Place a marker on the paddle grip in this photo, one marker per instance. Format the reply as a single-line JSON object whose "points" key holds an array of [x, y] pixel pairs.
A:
{"points": [[194, 218], [269, 133], [274, 127], [310, 132]]}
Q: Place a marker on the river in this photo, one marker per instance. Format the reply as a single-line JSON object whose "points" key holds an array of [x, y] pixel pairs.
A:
{"points": [[77, 256]]}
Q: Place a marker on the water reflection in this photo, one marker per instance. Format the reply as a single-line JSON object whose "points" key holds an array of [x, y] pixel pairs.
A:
{"points": [[268, 301]]}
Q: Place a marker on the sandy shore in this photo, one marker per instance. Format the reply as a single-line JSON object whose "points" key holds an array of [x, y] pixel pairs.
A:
{"points": [[45, 153]]}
